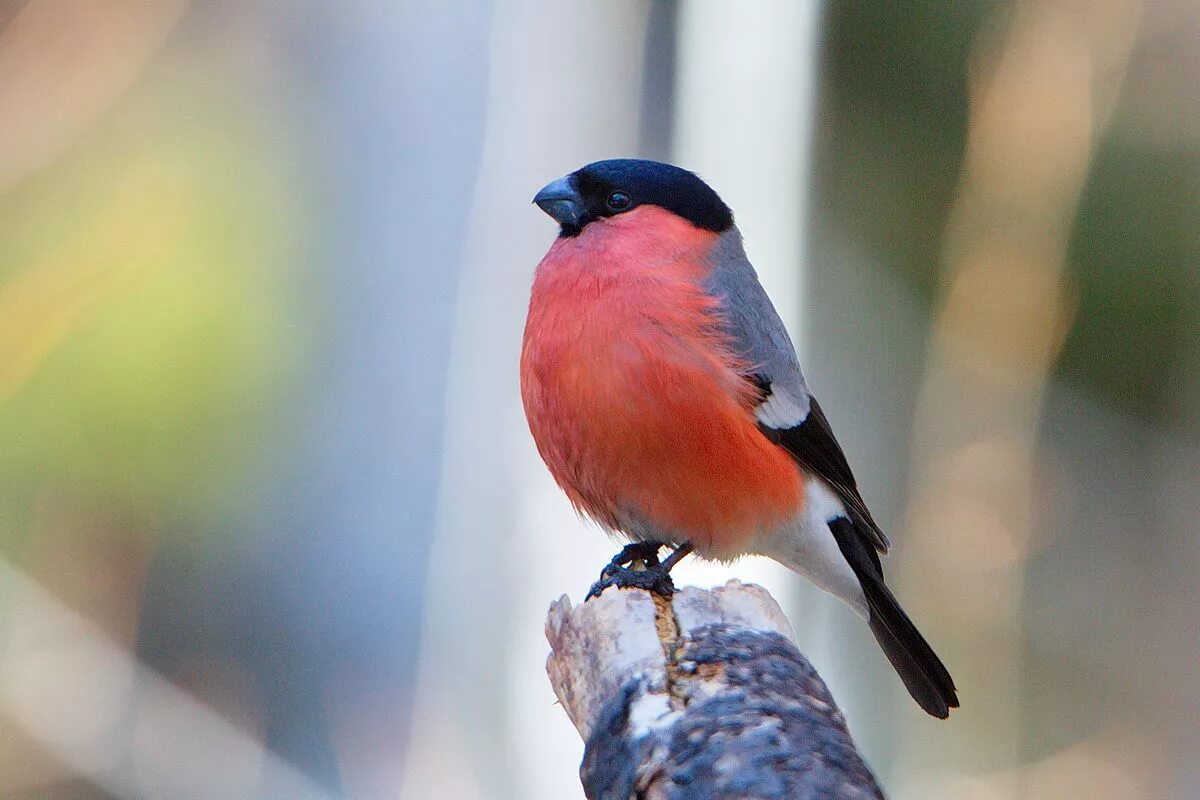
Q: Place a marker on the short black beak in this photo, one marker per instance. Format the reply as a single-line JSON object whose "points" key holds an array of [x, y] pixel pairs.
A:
{"points": [[561, 200]]}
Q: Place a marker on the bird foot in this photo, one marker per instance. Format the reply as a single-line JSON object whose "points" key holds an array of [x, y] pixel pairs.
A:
{"points": [[654, 578], [637, 551], [651, 575]]}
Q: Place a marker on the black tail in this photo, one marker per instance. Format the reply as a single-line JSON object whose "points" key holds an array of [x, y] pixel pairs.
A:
{"points": [[922, 671]]}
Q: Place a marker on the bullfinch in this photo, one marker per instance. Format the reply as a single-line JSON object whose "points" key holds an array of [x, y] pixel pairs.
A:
{"points": [[664, 395]]}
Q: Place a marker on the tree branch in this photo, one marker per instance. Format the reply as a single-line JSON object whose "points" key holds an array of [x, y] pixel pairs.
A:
{"points": [[698, 698]]}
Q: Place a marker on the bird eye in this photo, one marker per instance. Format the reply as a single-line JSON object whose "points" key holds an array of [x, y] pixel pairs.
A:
{"points": [[618, 201]]}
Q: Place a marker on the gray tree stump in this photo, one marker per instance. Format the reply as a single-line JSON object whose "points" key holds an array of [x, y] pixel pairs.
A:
{"points": [[703, 697]]}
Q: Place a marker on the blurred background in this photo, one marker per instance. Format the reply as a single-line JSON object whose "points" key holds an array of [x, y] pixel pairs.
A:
{"points": [[271, 522]]}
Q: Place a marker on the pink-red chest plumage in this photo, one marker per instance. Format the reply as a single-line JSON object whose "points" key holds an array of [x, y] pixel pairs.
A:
{"points": [[632, 392]]}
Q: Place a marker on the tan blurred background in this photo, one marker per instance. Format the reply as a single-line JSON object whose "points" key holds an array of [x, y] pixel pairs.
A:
{"points": [[271, 524]]}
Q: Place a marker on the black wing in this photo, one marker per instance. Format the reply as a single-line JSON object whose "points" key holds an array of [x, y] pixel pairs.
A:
{"points": [[814, 447]]}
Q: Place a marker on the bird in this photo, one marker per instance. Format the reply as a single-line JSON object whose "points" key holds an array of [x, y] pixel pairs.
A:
{"points": [[664, 394]]}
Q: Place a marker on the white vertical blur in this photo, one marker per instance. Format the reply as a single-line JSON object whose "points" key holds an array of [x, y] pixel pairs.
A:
{"points": [[565, 90], [745, 104]]}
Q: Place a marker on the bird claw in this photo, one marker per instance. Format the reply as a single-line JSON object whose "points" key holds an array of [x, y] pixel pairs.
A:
{"points": [[637, 551], [654, 577]]}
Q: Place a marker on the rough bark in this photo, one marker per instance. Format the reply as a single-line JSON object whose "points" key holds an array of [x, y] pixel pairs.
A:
{"points": [[703, 697]]}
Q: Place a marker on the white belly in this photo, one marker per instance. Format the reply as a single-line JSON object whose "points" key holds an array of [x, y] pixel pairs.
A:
{"points": [[806, 545]]}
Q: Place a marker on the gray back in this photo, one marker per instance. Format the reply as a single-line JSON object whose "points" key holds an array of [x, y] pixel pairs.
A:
{"points": [[756, 328]]}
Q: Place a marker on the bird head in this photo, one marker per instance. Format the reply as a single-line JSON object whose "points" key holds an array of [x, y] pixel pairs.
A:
{"points": [[605, 189]]}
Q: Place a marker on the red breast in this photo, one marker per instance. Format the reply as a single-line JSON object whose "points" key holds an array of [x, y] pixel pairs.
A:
{"points": [[632, 393]]}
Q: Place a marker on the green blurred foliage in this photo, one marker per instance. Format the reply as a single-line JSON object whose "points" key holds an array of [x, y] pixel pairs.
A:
{"points": [[889, 151], [146, 335], [1133, 257], [893, 124]]}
